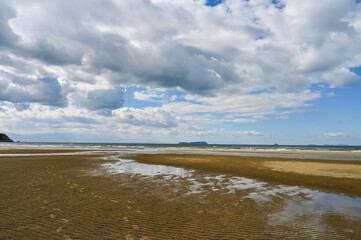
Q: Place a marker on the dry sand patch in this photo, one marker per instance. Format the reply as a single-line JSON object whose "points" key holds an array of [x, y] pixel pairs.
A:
{"points": [[316, 168]]}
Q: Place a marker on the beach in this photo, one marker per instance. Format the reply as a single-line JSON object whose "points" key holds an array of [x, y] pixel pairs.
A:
{"points": [[113, 194]]}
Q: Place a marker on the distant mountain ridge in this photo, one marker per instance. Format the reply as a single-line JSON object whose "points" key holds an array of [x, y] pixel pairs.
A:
{"points": [[5, 138]]}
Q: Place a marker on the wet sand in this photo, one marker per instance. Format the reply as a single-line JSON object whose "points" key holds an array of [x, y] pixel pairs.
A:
{"points": [[294, 172], [74, 197]]}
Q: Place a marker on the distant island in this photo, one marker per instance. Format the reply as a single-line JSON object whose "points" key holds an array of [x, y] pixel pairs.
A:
{"points": [[199, 143], [5, 138]]}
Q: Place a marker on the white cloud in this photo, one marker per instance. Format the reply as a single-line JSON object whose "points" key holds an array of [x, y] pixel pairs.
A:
{"points": [[341, 78], [154, 117], [338, 134], [149, 95], [238, 62], [251, 105], [188, 45], [250, 133]]}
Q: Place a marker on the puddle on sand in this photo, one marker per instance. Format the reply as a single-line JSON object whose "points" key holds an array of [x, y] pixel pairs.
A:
{"points": [[297, 202], [196, 182], [320, 203], [310, 213], [131, 167]]}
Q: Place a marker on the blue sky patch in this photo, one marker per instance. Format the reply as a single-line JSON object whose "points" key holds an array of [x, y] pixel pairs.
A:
{"points": [[213, 3], [278, 4]]}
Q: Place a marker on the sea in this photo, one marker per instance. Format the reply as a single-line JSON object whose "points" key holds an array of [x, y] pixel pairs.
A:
{"points": [[134, 146], [191, 148]]}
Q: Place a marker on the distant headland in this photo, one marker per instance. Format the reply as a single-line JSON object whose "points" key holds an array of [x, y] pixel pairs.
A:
{"points": [[5, 138], [199, 143]]}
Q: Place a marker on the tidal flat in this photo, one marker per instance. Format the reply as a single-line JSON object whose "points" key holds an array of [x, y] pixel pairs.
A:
{"points": [[117, 195]]}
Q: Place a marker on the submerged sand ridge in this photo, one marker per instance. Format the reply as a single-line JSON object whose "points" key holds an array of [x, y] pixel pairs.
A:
{"points": [[96, 197]]}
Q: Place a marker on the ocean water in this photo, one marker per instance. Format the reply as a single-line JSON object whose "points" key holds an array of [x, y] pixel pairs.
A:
{"points": [[191, 149], [157, 146]]}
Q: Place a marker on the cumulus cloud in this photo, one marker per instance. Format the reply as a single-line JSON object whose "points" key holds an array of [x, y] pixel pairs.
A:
{"points": [[101, 99], [341, 78], [153, 117], [239, 107], [22, 89], [237, 45], [149, 95], [235, 61], [7, 36], [39, 119]]}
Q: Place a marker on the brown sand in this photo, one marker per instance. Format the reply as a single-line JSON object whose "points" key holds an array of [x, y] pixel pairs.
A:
{"points": [[68, 197], [266, 151]]}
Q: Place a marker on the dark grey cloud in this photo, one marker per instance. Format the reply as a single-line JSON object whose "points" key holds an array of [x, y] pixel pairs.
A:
{"points": [[107, 98], [7, 37], [51, 53], [19, 89], [102, 100]]}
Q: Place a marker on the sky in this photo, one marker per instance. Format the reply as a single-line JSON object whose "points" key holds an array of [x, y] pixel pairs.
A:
{"points": [[165, 71]]}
